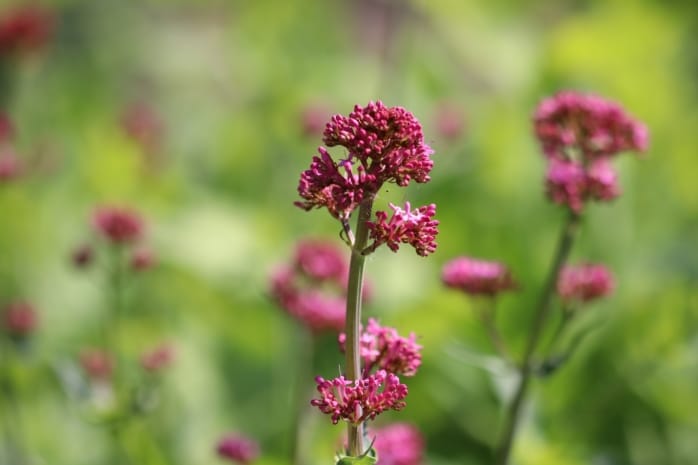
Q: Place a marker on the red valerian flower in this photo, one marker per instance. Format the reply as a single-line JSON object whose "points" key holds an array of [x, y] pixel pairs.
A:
{"points": [[584, 283], [399, 444], [360, 400], [414, 227], [142, 258], [477, 277], [383, 144], [594, 126], [238, 448], [144, 125], [118, 225], [321, 260], [97, 364], [157, 359], [19, 319], [383, 348], [25, 29], [566, 184]]}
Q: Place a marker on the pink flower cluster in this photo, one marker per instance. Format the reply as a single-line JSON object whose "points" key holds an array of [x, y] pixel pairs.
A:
{"points": [[399, 444], [312, 289], [121, 227], [383, 348], [118, 225], [477, 277], [238, 448], [98, 364], [579, 134], [19, 319], [415, 227], [360, 400], [157, 359], [384, 145], [583, 283], [25, 29], [141, 122]]}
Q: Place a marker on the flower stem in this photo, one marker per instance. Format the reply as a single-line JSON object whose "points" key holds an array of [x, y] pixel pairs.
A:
{"points": [[353, 315], [564, 247], [487, 315]]}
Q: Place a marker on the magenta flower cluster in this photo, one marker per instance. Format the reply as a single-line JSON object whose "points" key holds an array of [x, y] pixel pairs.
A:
{"points": [[583, 283], [399, 444], [383, 348], [579, 134], [19, 319], [383, 145], [238, 448], [360, 400], [477, 277], [312, 289], [415, 227]]}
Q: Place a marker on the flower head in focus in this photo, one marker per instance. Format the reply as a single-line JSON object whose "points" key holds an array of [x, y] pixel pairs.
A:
{"points": [[360, 400], [118, 225], [399, 444], [238, 448], [414, 227], [383, 145], [477, 277], [383, 348], [584, 283]]}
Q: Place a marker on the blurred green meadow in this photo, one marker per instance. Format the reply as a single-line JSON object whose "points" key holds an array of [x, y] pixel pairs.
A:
{"points": [[235, 88]]}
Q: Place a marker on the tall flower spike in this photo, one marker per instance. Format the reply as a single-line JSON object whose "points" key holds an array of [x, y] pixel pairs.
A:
{"points": [[583, 283], [477, 277], [415, 227], [360, 400]]}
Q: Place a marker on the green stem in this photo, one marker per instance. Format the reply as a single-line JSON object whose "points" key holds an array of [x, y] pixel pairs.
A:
{"points": [[564, 247], [11, 411], [353, 315], [487, 315]]}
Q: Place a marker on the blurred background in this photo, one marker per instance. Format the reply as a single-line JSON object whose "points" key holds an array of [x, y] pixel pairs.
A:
{"points": [[202, 114]]}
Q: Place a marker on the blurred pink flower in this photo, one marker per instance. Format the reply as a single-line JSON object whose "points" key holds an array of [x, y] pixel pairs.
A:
{"points": [[313, 117], [97, 364], [450, 121], [596, 127], [158, 358], [238, 448], [399, 444], [321, 260], [360, 400], [25, 28], [142, 258], [19, 318], [144, 125], [584, 282], [118, 225], [415, 227], [7, 130], [602, 182], [566, 184], [477, 277]]}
